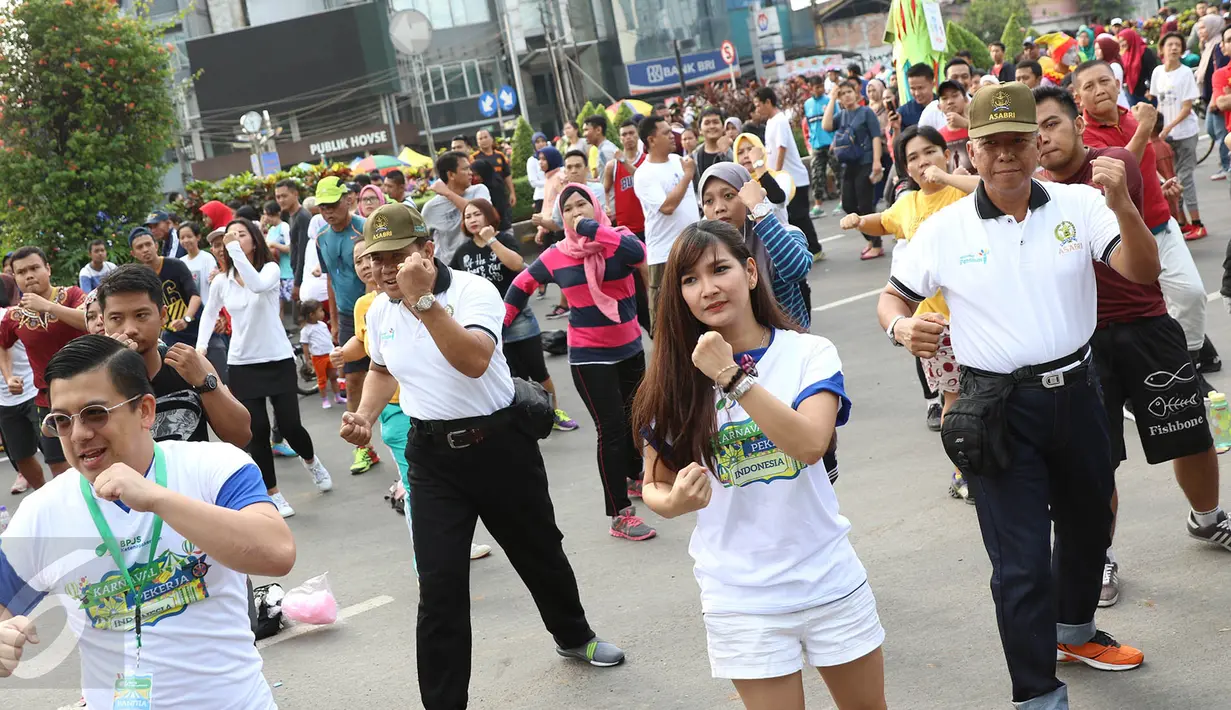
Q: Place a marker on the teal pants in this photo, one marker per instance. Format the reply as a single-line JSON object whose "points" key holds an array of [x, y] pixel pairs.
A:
{"points": [[395, 432]]}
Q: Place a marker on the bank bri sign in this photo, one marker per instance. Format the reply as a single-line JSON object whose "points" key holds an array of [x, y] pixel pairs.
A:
{"points": [[664, 75]]}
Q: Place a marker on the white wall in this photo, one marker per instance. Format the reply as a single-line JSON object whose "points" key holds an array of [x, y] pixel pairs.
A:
{"points": [[265, 12]]}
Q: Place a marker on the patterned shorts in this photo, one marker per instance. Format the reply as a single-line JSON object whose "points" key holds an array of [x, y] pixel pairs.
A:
{"points": [[286, 286], [942, 370]]}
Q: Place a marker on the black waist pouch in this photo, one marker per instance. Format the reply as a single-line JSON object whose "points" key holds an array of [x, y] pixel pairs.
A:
{"points": [[975, 434], [534, 412]]}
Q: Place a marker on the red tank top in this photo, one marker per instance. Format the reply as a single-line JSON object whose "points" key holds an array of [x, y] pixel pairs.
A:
{"points": [[627, 207]]}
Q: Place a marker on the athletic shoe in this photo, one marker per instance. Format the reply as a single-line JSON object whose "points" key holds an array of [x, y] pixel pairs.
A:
{"points": [[320, 475], [630, 527], [1111, 581], [816, 212], [1218, 534], [558, 312], [958, 488], [838, 212], [934, 412], [284, 508], [596, 653], [634, 488], [541, 294], [1220, 175], [1195, 232], [325, 403], [478, 552], [1102, 652], [362, 462], [818, 257], [19, 485], [283, 449], [339, 398], [372, 455], [564, 422]]}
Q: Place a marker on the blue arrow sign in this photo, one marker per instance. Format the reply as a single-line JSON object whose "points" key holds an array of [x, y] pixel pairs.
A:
{"points": [[487, 104], [508, 98]]}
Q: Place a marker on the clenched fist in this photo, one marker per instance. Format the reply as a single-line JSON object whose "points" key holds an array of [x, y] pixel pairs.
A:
{"points": [[921, 334], [691, 491], [713, 356]]}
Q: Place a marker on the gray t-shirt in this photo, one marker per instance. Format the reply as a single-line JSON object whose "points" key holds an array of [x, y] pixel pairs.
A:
{"points": [[444, 220]]}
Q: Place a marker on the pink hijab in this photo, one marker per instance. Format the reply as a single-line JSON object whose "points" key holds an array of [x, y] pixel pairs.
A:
{"points": [[369, 189], [592, 252]]}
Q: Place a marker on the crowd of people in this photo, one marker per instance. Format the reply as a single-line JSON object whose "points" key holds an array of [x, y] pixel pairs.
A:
{"points": [[697, 231]]}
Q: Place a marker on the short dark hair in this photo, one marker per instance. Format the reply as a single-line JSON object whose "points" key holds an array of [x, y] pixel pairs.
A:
{"points": [[1034, 67], [954, 62], [628, 122], [97, 243], [248, 212], [307, 307], [1060, 96], [260, 253], [1176, 35], [447, 163], [816, 80], [94, 352], [963, 53], [463, 139], [575, 154], [192, 227], [1090, 64], [711, 111], [363, 180], [766, 94], [288, 183], [853, 67], [29, 251], [397, 177], [131, 278], [997, 44], [375, 175], [271, 208], [851, 84], [648, 126], [921, 71], [597, 121]]}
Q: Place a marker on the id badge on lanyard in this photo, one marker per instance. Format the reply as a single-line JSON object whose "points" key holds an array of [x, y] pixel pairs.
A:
{"points": [[133, 690]]}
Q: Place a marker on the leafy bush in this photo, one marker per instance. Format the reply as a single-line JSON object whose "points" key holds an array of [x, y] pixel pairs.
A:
{"points": [[986, 20], [624, 113], [523, 147], [585, 111], [961, 38], [1012, 36], [85, 120]]}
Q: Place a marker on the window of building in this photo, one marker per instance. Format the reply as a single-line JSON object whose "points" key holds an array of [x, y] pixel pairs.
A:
{"points": [[461, 80], [445, 15]]}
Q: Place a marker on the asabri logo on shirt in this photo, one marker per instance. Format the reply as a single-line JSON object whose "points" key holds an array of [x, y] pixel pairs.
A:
{"points": [[979, 257]]}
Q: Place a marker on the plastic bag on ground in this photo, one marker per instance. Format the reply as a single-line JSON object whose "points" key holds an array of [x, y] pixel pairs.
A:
{"points": [[311, 602]]}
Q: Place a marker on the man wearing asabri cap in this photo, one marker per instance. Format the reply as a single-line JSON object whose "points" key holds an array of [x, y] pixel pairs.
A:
{"points": [[1015, 261], [436, 333]]}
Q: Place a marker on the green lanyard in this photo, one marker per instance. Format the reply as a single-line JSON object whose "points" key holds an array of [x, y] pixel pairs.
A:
{"points": [[113, 546]]}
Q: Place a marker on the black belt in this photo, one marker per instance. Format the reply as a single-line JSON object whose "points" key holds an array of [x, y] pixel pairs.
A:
{"points": [[463, 433], [1043, 374]]}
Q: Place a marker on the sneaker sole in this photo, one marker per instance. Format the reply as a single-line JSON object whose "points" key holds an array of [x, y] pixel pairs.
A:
{"points": [[1104, 603], [598, 664], [626, 536], [1097, 665], [1224, 545]]}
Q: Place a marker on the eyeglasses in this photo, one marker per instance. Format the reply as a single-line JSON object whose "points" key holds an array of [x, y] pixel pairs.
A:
{"points": [[93, 417]]}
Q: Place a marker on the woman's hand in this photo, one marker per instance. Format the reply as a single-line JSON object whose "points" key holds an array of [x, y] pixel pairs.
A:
{"points": [[850, 221], [752, 194], [486, 235], [230, 237], [756, 154], [935, 175], [316, 272], [713, 355], [691, 491]]}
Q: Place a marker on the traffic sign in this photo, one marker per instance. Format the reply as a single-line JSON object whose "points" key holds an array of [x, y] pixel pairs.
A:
{"points": [[763, 21], [487, 104], [728, 52], [507, 97]]}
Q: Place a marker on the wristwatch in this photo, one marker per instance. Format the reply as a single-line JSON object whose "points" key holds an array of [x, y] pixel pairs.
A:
{"points": [[423, 304], [759, 164], [889, 331], [761, 210], [187, 319], [210, 384]]}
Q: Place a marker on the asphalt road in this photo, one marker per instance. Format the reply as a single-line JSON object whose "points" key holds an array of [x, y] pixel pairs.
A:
{"points": [[921, 548]]}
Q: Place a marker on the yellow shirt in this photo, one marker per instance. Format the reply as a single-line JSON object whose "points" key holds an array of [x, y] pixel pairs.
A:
{"points": [[903, 219], [362, 304]]}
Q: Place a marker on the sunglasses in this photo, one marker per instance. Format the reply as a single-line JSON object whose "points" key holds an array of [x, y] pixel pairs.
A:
{"points": [[93, 417]]}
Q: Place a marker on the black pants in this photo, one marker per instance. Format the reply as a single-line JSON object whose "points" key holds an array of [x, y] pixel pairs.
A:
{"points": [[286, 411], [797, 213], [608, 393], [1061, 473], [500, 480], [859, 194]]}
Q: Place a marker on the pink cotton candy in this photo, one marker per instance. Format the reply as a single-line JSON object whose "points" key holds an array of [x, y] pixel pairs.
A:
{"points": [[311, 602]]}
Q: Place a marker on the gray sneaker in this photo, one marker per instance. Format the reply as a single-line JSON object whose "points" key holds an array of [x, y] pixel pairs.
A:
{"points": [[1218, 534], [630, 527], [596, 653], [1111, 584]]}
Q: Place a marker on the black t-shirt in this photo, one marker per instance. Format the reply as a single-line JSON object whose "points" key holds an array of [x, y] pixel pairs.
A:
{"points": [[482, 261], [704, 161], [299, 222], [178, 288], [179, 414]]}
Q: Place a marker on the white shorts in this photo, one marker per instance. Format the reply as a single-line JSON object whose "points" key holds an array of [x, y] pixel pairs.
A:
{"points": [[754, 646]]}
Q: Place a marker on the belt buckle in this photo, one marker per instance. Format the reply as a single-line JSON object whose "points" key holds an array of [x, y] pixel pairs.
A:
{"points": [[453, 445], [1053, 380]]}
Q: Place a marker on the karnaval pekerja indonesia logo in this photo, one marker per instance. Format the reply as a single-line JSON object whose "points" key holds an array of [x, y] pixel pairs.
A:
{"points": [[978, 257]]}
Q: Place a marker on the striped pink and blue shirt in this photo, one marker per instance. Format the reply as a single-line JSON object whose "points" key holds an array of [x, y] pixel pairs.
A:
{"points": [[593, 339]]}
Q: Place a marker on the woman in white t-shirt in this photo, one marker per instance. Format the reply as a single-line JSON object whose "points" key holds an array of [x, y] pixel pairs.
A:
{"points": [[1174, 86], [736, 411]]}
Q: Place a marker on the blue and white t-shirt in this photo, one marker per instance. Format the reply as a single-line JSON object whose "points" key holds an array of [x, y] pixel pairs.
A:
{"points": [[281, 234], [771, 540], [196, 636]]}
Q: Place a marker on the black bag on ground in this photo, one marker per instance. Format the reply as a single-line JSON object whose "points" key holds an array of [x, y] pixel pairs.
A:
{"points": [[268, 602], [555, 342], [534, 412], [975, 433]]}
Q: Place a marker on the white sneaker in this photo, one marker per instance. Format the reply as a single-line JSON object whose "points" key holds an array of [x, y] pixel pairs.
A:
{"points": [[19, 485], [284, 508], [319, 474], [478, 552]]}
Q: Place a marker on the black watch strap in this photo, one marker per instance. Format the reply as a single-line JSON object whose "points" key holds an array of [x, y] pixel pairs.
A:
{"points": [[210, 384]]}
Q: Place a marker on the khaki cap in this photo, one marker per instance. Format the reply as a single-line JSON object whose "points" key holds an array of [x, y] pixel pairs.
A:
{"points": [[392, 227], [1003, 108]]}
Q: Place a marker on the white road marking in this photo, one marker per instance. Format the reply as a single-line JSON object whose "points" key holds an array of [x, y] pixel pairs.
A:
{"points": [[835, 237], [1211, 297], [343, 614], [848, 299]]}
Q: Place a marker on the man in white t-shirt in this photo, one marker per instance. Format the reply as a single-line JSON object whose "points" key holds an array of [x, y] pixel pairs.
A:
{"points": [[782, 153], [1175, 87], [443, 213], [663, 184], [19, 416], [181, 525], [98, 266]]}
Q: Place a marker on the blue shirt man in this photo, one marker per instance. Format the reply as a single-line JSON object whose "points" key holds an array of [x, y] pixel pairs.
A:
{"points": [[335, 245], [814, 111]]}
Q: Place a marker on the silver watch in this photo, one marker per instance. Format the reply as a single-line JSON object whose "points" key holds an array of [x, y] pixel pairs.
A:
{"points": [[760, 211], [889, 331], [423, 304]]}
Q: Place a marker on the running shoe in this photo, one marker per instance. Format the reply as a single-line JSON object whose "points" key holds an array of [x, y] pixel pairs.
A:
{"points": [[1220, 175], [283, 449], [1195, 232], [816, 212], [628, 526], [596, 653], [634, 488], [362, 462], [1102, 652], [564, 422], [325, 403], [284, 508], [478, 552], [958, 488], [320, 476], [558, 312], [1111, 581], [818, 257], [542, 293], [1217, 534], [339, 398], [372, 455], [838, 212], [934, 414], [20, 485]]}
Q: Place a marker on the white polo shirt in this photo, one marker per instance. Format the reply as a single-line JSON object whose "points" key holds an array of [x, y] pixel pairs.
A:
{"points": [[432, 389], [1019, 294]]}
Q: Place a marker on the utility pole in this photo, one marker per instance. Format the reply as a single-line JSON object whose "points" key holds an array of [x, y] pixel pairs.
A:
{"points": [[555, 65], [679, 68]]}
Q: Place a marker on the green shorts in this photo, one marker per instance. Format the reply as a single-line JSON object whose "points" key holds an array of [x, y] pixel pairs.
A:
{"points": [[395, 431]]}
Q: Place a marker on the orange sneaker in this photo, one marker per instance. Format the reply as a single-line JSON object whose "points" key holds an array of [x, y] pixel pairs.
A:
{"points": [[1102, 652]]}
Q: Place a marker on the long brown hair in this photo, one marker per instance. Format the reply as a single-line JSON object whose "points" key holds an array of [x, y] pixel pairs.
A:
{"points": [[260, 250], [489, 213], [675, 399]]}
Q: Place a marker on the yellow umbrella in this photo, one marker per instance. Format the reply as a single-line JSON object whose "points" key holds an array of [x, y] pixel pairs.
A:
{"points": [[415, 159], [637, 105]]}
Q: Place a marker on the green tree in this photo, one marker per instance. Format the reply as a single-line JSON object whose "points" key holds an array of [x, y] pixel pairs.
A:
{"points": [[523, 147], [86, 120], [1012, 36], [986, 18], [1107, 9], [960, 38], [625, 113], [583, 113]]}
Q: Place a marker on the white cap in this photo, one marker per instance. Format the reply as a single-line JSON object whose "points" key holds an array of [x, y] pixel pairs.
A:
{"points": [[1117, 21]]}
